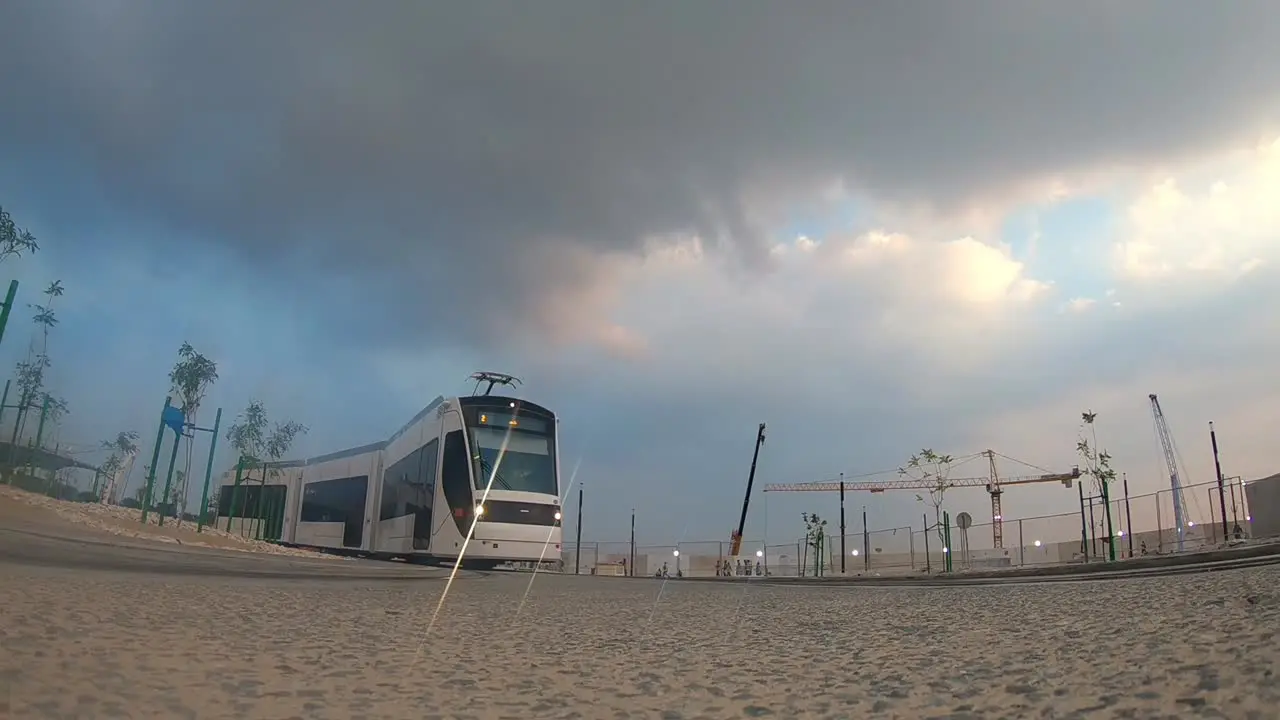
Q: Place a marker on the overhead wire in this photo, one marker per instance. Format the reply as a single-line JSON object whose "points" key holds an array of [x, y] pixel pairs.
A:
{"points": [[955, 463], [1033, 466]]}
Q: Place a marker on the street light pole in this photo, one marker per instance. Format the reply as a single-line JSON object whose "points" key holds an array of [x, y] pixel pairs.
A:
{"points": [[866, 542], [1222, 490], [577, 553], [1128, 514], [842, 550]]}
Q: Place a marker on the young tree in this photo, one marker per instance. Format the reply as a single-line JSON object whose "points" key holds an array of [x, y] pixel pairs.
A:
{"points": [[123, 445], [58, 409], [32, 373], [175, 492], [815, 536], [190, 379], [933, 471], [1097, 465], [45, 317], [14, 240], [211, 510], [258, 442]]}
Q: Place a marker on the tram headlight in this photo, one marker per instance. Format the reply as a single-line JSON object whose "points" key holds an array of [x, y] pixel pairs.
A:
{"points": [[479, 510], [559, 516]]}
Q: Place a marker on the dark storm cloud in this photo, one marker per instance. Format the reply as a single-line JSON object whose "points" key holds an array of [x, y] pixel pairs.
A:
{"points": [[443, 140]]}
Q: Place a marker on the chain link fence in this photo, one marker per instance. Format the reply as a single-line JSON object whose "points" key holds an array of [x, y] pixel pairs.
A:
{"points": [[1139, 525]]}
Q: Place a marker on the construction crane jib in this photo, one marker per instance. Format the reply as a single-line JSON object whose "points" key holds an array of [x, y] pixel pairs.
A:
{"points": [[992, 483]]}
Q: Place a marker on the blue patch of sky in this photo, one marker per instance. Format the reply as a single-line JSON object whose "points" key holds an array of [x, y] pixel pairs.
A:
{"points": [[821, 219], [1067, 243]]}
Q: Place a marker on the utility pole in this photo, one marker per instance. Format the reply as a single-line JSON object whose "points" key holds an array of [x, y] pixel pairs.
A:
{"points": [[1222, 489], [577, 552], [631, 566], [842, 550]]}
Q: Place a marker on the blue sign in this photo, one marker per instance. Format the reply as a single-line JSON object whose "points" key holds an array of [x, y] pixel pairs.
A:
{"points": [[174, 418]]}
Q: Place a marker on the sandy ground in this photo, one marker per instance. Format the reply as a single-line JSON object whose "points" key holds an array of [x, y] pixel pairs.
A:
{"points": [[101, 643], [125, 522]]}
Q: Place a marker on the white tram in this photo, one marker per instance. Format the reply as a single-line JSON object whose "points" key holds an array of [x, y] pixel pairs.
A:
{"points": [[486, 460]]}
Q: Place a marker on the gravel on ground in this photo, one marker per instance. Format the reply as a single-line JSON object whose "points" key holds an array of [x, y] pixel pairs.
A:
{"points": [[126, 522], [96, 645]]}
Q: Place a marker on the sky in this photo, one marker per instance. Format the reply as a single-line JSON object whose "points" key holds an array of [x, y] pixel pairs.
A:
{"points": [[876, 227]]}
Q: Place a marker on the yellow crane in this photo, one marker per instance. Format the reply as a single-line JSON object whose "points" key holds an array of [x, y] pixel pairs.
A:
{"points": [[993, 483]]}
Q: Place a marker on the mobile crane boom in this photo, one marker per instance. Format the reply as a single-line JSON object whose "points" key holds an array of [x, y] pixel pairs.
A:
{"points": [[736, 541]]}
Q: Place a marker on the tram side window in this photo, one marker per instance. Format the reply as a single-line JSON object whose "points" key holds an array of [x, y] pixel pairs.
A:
{"points": [[455, 475], [340, 500], [396, 490], [426, 486], [407, 485]]}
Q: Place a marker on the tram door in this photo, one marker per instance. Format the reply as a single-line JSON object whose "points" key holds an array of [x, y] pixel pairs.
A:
{"points": [[455, 473], [425, 493]]}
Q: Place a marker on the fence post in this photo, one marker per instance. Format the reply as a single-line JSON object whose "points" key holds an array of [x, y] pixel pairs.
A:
{"points": [[1159, 527], [928, 566], [1214, 525], [1022, 546]]}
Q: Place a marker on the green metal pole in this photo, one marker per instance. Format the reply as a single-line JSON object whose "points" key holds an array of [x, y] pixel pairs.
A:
{"points": [[4, 403], [273, 530], [97, 477], [257, 511], [44, 413], [52, 488], [4, 399], [235, 492], [168, 477], [13, 440], [1111, 533], [278, 515], [208, 471], [155, 460], [4, 321], [8, 305]]}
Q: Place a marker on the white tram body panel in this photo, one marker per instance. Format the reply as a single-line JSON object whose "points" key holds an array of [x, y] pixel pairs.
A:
{"points": [[486, 467]]}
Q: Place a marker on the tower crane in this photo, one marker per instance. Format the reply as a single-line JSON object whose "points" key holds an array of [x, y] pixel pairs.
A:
{"points": [[992, 483], [1171, 460]]}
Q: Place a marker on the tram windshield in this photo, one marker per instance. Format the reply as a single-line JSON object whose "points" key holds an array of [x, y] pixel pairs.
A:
{"points": [[527, 465]]}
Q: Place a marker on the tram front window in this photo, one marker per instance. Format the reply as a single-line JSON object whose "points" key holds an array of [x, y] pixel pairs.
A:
{"points": [[527, 465]]}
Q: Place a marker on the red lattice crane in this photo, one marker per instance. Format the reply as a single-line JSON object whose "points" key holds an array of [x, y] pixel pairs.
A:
{"points": [[993, 483]]}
